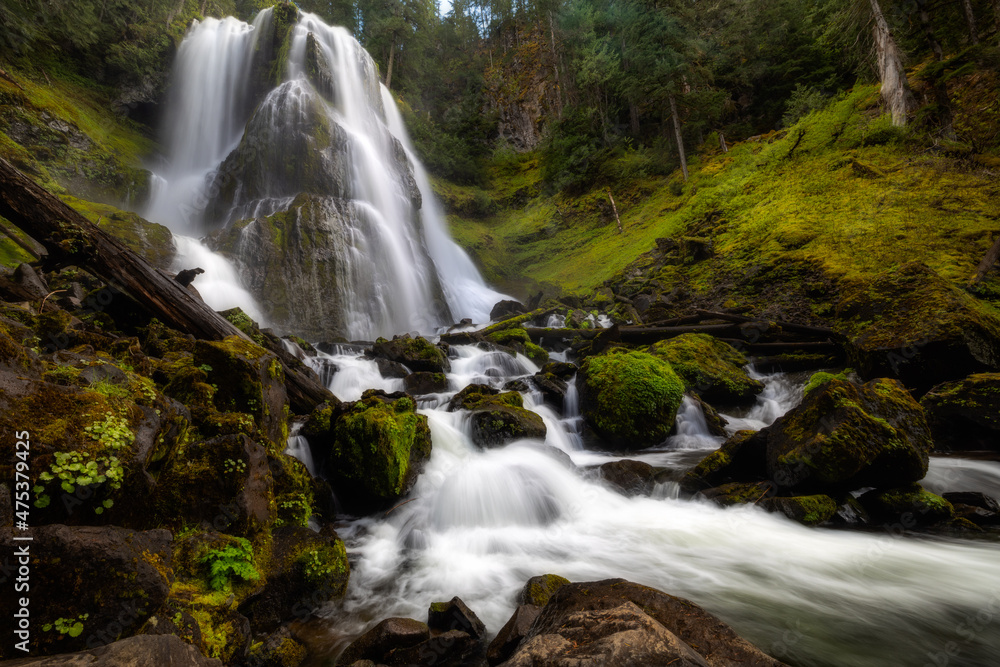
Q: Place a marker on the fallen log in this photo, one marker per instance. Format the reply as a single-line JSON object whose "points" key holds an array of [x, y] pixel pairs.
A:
{"points": [[70, 238], [788, 347], [790, 327]]}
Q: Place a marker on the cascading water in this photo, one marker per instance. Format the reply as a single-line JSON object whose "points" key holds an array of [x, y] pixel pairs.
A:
{"points": [[286, 150], [479, 523]]}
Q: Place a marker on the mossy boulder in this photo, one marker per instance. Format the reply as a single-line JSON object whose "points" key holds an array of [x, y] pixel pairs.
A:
{"points": [[517, 339], [497, 418], [847, 436], [279, 649], [738, 493], [911, 324], [538, 590], [710, 368], [909, 506], [807, 510], [424, 382], [965, 414], [375, 449], [81, 609], [149, 240], [247, 379], [629, 398], [222, 484], [742, 457], [306, 570], [418, 354]]}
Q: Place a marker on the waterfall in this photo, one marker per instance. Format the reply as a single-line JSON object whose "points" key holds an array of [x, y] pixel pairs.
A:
{"points": [[289, 155]]}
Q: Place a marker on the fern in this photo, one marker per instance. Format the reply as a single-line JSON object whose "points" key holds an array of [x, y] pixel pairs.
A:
{"points": [[234, 560]]}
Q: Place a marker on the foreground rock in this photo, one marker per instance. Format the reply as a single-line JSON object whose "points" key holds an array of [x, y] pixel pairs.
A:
{"points": [[965, 414], [710, 368], [911, 324], [616, 622], [629, 398], [453, 636], [165, 650], [91, 584]]}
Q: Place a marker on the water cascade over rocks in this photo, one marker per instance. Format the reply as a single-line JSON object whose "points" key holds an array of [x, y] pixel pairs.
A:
{"points": [[287, 153]]}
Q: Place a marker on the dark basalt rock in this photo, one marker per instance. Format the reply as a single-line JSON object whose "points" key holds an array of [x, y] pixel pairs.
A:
{"points": [[417, 354], [423, 382], [512, 633], [455, 615], [630, 478], [965, 414], [908, 506], [135, 577], [507, 308]]}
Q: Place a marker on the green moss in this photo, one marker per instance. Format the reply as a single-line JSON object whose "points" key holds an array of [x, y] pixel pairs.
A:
{"points": [[540, 589], [821, 378], [630, 398], [373, 445], [324, 565], [709, 367]]}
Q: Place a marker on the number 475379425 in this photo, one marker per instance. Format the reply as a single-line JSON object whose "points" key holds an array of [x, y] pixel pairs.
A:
{"points": [[22, 481]]}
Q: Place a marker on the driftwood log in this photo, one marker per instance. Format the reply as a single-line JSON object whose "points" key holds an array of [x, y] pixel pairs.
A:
{"points": [[71, 239]]}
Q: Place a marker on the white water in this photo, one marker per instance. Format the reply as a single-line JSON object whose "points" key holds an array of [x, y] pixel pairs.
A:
{"points": [[482, 522], [396, 267]]}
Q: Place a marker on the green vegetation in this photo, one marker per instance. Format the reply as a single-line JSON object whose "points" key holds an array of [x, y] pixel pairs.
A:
{"points": [[630, 398], [709, 367], [234, 561]]}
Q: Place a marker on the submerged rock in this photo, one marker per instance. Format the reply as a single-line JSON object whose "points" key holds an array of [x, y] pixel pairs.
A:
{"points": [[710, 368], [965, 414], [618, 622], [629, 398]]}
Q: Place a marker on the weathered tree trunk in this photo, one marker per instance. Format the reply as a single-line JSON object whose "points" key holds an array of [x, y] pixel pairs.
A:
{"points": [[555, 65], [722, 143], [992, 255], [388, 69], [615, 209], [925, 22], [895, 91], [680, 139], [72, 239], [970, 18]]}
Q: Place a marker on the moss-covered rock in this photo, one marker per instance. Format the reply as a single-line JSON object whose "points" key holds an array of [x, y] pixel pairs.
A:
{"points": [[965, 414], [848, 436], [910, 506], [807, 510], [247, 379], [911, 324], [133, 577], [738, 493], [740, 458], [629, 398], [497, 418], [306, 570], [517, 339], [538, 590], [710, 368], [222, 484], [149, 240], [375, 449], [417, 354], [424, 382]]}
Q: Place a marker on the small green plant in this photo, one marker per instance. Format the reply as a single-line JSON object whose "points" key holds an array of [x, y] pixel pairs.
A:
{"points": [[236, 466], [113, 432], [67, 626], [233, 560], [74, 469]]}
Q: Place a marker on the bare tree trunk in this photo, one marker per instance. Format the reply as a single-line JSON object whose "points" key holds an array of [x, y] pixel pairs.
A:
{"points": [[633, 115], [388, 72], [970, 18], [555, 65], [925, 22], [722, 143], [895, 92], [680, 139], [615, 210]]}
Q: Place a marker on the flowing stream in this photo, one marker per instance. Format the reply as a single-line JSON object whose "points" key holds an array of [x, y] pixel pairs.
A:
{"points": [[480, 523]]}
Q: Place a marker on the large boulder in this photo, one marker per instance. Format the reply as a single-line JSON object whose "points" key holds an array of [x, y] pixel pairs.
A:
{"points": [[911, 324], [223, 484], [306, 570], [247, 379], [497, 418], [374, 450], [417, 354], [965, 414], [845, 436], [616, 622], [142, 650], [842, 437], [89, 585], [629, 398], [710, 368]]}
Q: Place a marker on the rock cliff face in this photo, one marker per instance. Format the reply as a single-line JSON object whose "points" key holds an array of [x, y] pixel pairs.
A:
{"points": [[523, 90]]}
